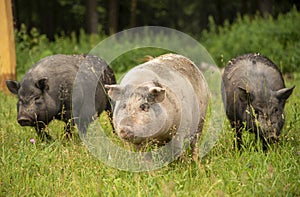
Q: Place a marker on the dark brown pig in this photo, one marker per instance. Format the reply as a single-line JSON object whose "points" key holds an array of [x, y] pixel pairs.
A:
{"points": [[254, 95], [45, 92], [161, 100]]}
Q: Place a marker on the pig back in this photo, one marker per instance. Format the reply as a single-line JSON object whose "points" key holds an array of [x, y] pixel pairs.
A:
{"points": [[253, 71], [60, 71]]}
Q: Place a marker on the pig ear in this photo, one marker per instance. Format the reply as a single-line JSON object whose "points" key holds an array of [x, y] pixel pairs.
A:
{"points": [[115, 92], [157, 94], [42, 84], [245, 95], [284, 93], [13, 86]]}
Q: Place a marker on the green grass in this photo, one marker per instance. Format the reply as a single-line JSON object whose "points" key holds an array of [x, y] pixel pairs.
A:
{"points": [[67, 168]]}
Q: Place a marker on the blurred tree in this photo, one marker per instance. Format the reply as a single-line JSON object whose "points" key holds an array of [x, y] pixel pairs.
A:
{"points": [[61, 17], [91, 17], [113, 17], [264, 6], [133, 13], [50, 17]]}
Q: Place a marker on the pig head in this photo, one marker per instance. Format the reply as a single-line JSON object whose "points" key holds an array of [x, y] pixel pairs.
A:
{"points": [[34, 103], [143, 112]]}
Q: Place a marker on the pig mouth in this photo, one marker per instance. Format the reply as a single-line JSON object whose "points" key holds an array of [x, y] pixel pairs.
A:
{"points": [[270, 135], [126, 134], [273, 137], [24, 121], [272, 140]]}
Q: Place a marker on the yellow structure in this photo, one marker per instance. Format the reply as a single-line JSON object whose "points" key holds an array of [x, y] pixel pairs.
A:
{"points": [[7, 44]]}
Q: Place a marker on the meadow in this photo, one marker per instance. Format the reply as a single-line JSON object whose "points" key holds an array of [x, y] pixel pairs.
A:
{"points": [[31, 167], [67, 168]]}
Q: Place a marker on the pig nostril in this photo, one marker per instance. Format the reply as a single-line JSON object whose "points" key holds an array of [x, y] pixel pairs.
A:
{"points": [[24, 121], [125, 133], [122, 133]]}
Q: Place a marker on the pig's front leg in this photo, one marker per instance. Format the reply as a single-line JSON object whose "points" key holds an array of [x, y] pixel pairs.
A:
{"points": [[44, 136]]}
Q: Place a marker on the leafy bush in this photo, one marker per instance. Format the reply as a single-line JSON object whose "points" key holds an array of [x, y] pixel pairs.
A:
{"points": [[33, 46], [277, 38]]}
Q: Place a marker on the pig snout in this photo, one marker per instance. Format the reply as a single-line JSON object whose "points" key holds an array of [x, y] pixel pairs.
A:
{"points": [[273, 135], [24, 118], [24, 121], [270, 133], [269, 128], [273, 138], [126, 133]]}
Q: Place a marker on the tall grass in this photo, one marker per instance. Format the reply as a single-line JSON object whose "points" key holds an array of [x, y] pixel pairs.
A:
{"points": [[67, 168]]}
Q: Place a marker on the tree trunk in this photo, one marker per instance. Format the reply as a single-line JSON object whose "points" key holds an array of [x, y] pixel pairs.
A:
{"points": [[133, 13], [265, 6], [7, 47], [244, 7], [91, 17], [47, 18], [113, 16]]}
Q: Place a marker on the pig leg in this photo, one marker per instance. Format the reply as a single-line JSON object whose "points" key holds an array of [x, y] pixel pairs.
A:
{"points": [[195, 148], [109, 113], [238, 140], [195, 140], [265, 143], [179, 144], [238, 133], [44, 136], [68, 129]]}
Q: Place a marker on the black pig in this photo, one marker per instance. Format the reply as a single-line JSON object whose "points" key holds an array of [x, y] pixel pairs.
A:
{"points": [[254, 93], [45, 92]]}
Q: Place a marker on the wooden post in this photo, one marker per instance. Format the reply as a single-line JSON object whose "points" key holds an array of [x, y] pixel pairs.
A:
{"points": [[7, 44]]}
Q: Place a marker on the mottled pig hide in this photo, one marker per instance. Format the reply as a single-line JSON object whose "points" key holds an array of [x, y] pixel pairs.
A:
{"points": [[162, 100]]}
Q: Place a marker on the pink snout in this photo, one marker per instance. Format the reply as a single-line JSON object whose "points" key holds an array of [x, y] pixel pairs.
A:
{"points": [[126, 133]]}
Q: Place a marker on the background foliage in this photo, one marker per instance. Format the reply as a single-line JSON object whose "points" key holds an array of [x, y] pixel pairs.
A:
{"points": [[277, 38], [110, 16]]}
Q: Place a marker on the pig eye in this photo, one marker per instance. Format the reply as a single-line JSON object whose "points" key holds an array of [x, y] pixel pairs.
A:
{"points": [[37, 99], [145, 107], [275, 110]]}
